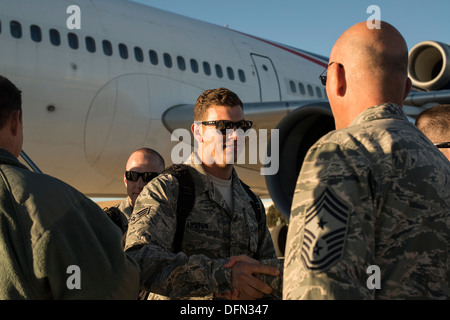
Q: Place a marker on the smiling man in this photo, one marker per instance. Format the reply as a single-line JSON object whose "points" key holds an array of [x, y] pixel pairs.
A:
{"points": [[225, 239]]}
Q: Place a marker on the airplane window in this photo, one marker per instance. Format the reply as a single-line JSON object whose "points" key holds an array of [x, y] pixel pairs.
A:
{"points": [[230, 73], [194, 66], [219, 71], [293, 86], [55, 39], [0, 27], [36, 34], [325, 93], [153, 57], [241, 75], [310, 90], [319, 92], [302, 88], [90, 44], [206, 68], [107, 48], [16, 29], [139, 55], [123, 51], [73, 40], [181, 63], [167, 60]]}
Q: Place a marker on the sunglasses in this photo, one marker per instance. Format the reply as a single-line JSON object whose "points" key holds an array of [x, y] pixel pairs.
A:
{"points": [[323, 78], [224, 125], [146, 176], [442, 144]]}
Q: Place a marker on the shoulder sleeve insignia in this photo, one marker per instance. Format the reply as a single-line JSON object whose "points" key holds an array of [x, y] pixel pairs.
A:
{"points": [[325, 231]]}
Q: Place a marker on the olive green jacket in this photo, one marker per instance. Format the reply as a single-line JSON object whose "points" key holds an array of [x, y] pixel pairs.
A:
{"points": [[55, 243]]}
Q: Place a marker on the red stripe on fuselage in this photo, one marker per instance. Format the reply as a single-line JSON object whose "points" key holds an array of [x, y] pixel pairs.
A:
{"points": [[304, 56]]}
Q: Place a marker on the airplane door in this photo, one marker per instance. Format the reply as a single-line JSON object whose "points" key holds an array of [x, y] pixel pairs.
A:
{"points": [[269, 88]]}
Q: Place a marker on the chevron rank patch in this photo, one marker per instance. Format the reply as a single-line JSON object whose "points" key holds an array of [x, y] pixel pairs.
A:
{"points": [[325, 229]]}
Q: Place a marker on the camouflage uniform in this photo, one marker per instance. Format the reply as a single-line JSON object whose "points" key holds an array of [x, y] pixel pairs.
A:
{"points": [[375, 193], [212, 234], [127, 210]]}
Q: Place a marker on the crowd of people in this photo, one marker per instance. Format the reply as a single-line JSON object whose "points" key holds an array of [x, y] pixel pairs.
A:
{"points": [[373, 192]]}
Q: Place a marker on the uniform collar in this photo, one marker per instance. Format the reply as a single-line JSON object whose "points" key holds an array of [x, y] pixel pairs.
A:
{"points": [[207, 185], [381, 111], [7, 157]]}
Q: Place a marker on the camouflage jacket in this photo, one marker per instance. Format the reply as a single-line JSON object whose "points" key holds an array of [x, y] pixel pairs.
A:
{"points": [[374, 194], [47, 229], [127, 210], [212, 234]]}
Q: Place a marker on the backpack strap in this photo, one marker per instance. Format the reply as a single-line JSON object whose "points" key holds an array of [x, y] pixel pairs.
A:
{"points": [[186, 199], [185, 203]]}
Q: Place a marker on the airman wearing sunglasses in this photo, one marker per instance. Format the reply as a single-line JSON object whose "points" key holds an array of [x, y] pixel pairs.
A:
{"points": [[224, 242], [142, 166]]}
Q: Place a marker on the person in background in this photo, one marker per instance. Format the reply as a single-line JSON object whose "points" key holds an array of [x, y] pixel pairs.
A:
{"points": [[142, 166], [434, 122]]}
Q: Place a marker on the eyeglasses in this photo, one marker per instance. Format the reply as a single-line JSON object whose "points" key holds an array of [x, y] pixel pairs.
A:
{"points": [[442, 144], [146, 176], [223, 125]]}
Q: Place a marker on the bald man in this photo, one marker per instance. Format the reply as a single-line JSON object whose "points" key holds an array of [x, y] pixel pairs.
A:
{"points": [[142, 166], [435, 124], [371, 209]]}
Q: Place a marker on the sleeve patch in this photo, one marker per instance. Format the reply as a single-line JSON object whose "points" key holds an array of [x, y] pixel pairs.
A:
{"points": [[325, 230]]}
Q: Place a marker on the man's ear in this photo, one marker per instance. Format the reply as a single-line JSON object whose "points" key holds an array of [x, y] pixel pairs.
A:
{"points": [[125, 180], [336, 81], [341, 80], [407, 88], [197, 131], [15, 121]]}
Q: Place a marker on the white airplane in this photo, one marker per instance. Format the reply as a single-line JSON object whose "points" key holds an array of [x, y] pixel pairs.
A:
{"points": [[131, 74]]}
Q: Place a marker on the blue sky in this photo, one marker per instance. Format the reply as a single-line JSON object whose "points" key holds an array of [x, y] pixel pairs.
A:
{"points": [[314, 25]]}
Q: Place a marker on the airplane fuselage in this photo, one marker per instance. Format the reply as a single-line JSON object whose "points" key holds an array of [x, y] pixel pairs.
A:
{"points": [[93, 95]]}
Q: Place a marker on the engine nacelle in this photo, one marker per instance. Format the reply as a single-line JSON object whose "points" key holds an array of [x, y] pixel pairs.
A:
{"points": [[298, 131], [429, 65]]}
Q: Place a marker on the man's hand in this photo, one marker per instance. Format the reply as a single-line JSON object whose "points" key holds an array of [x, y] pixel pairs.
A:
{"points": [[245, 284]]}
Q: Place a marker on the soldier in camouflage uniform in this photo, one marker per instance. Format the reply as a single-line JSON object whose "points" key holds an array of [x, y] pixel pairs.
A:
{"points": [[222, 224], [142, 165], [375, 192]]}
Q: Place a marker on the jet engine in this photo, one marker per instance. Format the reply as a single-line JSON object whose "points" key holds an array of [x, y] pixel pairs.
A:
{"points": [[298, 131], [429, 65]]}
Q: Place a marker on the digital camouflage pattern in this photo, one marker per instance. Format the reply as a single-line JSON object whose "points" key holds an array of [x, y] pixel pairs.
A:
{"points": [[375, 193], [212, 234]]}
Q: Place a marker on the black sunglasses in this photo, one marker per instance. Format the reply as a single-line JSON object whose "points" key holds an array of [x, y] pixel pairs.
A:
{"points": [[223, 125], [442, 144], [146, 176]]}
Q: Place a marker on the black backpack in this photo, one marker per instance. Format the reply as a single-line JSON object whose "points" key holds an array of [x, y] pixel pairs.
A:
{"points": [[186, 198]]}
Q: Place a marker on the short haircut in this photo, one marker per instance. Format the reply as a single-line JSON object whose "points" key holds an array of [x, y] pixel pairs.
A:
{"points": [[219, 97], [435, 123], [10, 100], [152, 153]]}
